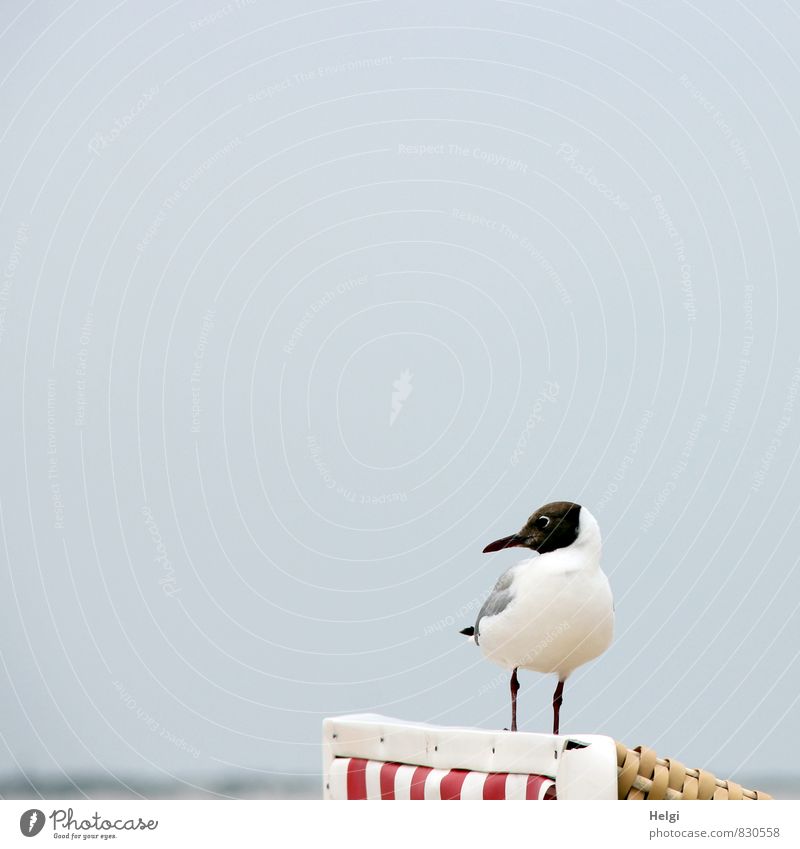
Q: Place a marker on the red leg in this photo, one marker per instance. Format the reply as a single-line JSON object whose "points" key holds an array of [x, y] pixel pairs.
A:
{"points": [[558, 698], [514, 691]]}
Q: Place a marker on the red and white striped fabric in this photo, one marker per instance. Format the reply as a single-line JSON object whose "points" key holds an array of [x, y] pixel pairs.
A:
{"points": [[359, 778]]}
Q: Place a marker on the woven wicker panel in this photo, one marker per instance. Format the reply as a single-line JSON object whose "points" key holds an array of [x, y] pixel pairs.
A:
{"points": [[643, 775]]}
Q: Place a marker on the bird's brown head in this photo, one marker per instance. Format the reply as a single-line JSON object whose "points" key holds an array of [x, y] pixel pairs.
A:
{"points": [[556, 525]]}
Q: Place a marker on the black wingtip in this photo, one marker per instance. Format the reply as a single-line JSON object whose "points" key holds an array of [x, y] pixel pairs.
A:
{"points": [[468, 632]]}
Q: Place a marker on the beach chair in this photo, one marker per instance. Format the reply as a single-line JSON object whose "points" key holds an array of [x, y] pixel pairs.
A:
{"points": [[367, 756]]}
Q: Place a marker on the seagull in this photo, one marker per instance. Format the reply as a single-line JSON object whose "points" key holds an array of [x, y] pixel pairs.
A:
{"points": [[554, 611]]}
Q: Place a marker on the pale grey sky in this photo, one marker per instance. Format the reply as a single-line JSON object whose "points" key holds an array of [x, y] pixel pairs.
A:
{"points": [[302, 304]]}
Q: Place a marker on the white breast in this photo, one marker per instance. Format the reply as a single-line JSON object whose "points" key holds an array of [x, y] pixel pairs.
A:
{"points": [[561, 615]]}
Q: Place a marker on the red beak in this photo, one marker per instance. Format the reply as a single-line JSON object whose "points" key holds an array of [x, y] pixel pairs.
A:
{"points": [[506, 542]]}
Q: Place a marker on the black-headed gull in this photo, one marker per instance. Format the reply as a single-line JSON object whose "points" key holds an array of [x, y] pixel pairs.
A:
{"points": [[554, 611]]}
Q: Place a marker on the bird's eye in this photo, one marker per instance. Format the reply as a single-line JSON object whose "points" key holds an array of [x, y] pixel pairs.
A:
{"points": [[542, 521]]}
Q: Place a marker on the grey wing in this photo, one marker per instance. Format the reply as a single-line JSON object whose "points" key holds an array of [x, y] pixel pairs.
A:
{"points": [[499, 599]]}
